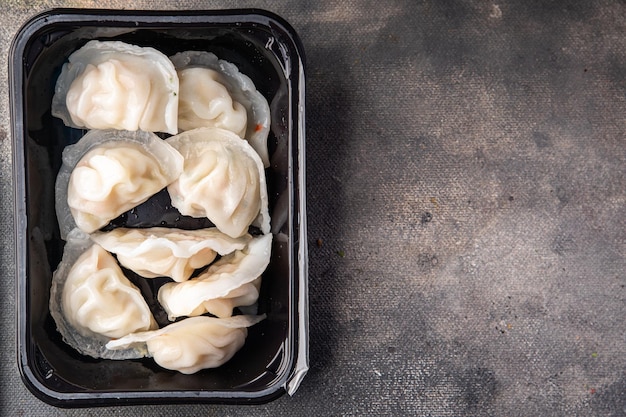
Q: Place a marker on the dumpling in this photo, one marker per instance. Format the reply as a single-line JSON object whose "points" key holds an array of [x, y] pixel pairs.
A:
{"points": [[107, 173], [223, 179], [92, 301], [192, 344], [98, 298], [231, 272], [205, 102], [157, 251], [213, 93], [244, 296], [114, 85]]}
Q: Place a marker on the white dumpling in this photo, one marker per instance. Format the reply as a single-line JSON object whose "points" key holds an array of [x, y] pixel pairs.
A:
{"points": [[223, 179], [114, 85], [107, 173], [92, 301], [157, 251], [204, 79], [205, 102], [98, 298], [244, 296], [231, 272], [192, 344]]}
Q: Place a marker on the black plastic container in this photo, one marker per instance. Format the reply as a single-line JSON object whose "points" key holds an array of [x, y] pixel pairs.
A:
{"points": [[275, 356]]}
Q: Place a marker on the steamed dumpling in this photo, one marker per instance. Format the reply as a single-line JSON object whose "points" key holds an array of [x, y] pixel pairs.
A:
{"points": [[98, 298], [114, 85], [223, 179], [192, 344], [195, 296], [92, 301], [213, 93], [157, 251], [109, 172], [244, 296], [205, 102]]}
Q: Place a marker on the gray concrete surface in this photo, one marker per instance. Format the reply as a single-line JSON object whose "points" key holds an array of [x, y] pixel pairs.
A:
{"points": [[467, 209]]}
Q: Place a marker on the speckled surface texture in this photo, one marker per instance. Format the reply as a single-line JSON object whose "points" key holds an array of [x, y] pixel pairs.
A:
{"points": [[466, 202]]}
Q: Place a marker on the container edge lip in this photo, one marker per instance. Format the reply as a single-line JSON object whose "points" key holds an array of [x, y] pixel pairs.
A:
{"points": [[69, 400], [301, 365], [19, 203], [62, 14]]}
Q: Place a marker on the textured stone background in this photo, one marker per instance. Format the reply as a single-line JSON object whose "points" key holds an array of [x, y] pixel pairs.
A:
{"points": [[466, 179]]}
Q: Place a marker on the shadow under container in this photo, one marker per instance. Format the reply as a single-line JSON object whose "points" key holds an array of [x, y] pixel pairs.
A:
{"points": [[274, 358]]}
